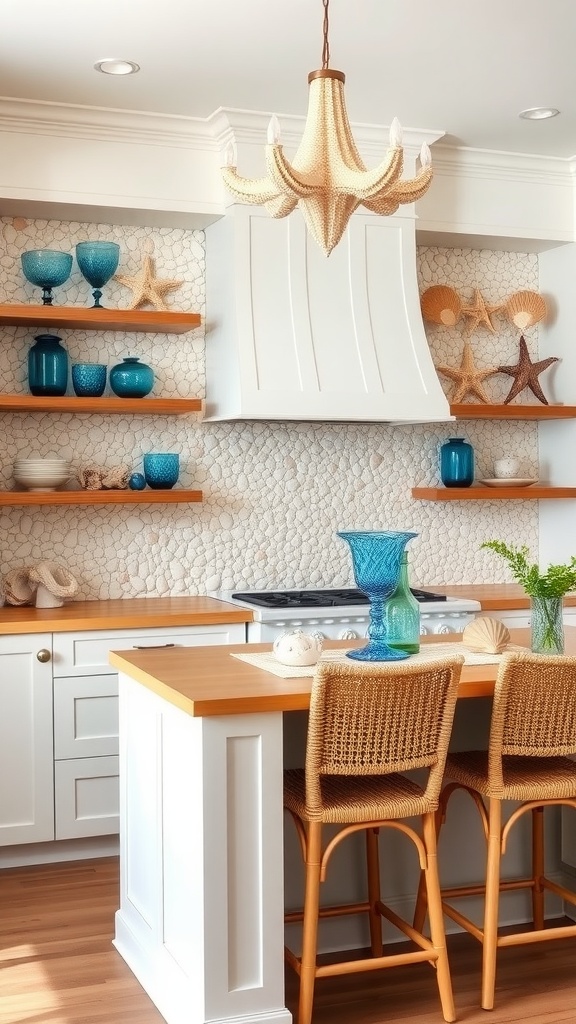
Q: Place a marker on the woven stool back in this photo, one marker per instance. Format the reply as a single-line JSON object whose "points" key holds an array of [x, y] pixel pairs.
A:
{"points": [[378, 719], [534, 709]]}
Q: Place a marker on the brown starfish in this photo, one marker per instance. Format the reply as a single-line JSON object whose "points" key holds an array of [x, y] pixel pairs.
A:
{"points": [[479, 313], [526, 374], [468, 377]]}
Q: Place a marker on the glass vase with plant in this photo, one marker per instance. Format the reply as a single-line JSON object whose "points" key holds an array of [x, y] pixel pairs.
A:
{"points": [[546, 591]]}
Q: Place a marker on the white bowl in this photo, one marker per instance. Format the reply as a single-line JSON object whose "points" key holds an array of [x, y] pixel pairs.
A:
{"points": [[48, 480]]}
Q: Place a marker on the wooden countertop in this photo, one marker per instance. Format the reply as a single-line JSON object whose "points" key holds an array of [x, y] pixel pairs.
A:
{"points": [[207, 681], [134, 613], [493, 596]]}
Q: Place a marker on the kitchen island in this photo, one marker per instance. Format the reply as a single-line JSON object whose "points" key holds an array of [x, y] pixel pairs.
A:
{"points": [[202, 895]]}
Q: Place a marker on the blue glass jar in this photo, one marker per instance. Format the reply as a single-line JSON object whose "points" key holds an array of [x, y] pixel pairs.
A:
{"points": [[47, 366], [131, 378], [402, 615], [457, 463]]}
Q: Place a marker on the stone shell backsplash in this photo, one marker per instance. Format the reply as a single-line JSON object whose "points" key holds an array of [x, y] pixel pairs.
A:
{"points": [[274, 493]]}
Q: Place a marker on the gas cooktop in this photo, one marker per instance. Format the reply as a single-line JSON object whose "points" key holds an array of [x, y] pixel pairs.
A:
{"points": [[319, 598]]}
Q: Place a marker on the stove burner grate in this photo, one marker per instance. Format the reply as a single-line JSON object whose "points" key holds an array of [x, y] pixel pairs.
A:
{"points": [[319, 598]]}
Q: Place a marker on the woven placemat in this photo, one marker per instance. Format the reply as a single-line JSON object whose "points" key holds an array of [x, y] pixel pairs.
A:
{"points": [[428, 652]]}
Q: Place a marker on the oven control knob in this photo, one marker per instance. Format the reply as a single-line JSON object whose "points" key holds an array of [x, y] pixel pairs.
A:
{"points": [[348, 634], [424, 631], [443, 629], [317, 635]]}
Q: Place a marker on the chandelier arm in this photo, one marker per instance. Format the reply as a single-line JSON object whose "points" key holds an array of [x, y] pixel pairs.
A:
{"points": [[367, 184], [410, 191], [284, 177], [251, 190], [281, 206], [383, 206]]}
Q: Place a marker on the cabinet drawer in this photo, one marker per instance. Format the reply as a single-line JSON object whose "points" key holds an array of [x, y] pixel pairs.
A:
{"points": [[86, 797], [85, 716], [87, 653]]}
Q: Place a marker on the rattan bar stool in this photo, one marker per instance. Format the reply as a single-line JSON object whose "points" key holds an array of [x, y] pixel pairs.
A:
{"points": [[368, 724], [532, 734]]}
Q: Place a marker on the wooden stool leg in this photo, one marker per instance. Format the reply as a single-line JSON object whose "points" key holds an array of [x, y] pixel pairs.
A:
{"points": [[491, 905], [373, 871], [538, 867], [310, 922], [420, 909], [436, 919]]}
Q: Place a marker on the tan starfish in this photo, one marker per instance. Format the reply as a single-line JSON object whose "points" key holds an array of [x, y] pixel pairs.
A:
{"points": [[479, 313], [526, 374], [468, 377], [147, 288]]}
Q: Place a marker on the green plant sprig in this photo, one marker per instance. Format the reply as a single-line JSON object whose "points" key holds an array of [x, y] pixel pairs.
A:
{"points": [[555, 582]]}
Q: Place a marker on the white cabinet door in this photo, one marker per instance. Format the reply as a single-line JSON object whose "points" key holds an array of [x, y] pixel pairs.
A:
{"points": [[516, 618], [26, 746], [87, 797]]}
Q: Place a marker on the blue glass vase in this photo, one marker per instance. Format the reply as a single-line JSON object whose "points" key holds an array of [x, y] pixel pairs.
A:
{"points": [[131, 378], [47, 366], [457, 463], [376, 561]]}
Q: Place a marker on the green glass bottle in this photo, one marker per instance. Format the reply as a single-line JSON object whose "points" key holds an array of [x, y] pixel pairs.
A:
{"points": [[402, 615]]}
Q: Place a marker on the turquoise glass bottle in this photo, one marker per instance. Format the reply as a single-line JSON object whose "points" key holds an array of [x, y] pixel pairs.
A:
{"points": [[457, 463], [402, 615], [47, 366]]}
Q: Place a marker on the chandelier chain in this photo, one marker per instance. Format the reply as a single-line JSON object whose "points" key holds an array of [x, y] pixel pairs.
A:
{"points": [[325, 43]]}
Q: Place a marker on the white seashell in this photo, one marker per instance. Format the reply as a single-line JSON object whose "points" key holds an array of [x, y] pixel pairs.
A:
{"points": [[486, 636], [297, 648]]}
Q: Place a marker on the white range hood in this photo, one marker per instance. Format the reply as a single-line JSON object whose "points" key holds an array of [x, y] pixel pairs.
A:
{"points": [[293, 335]]}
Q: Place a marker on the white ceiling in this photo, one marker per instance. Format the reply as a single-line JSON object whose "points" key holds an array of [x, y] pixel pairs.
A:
{"points": [[463, 67]]}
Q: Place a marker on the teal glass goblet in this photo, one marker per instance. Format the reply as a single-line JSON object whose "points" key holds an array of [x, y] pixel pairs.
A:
{"points": [[47, 268], [377, 561], [98, 262]]}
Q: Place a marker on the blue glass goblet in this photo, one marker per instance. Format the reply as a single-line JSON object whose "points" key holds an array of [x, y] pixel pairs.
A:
{"points": [[47, 268], [377, 561], [98, 261]]}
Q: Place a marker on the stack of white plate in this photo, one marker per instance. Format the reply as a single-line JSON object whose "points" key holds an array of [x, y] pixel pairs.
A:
{"points": [[41, 474]]}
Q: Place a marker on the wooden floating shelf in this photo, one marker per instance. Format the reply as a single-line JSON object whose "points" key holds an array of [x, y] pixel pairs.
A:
{"points": [[112, 497], [513, 412], [105, 404], [491, 493], [89, 319]]}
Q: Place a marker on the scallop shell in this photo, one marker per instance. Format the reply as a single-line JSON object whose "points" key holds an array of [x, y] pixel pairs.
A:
{"points": [[524, 309], [486, 636], [441, 305]]}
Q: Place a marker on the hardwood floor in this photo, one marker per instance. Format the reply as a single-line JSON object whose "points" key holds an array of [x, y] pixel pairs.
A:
{"points": [[57, 966]]}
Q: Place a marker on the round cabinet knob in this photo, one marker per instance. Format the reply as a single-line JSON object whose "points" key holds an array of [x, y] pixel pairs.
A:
{"points": [[348, 634], [43, 655]]}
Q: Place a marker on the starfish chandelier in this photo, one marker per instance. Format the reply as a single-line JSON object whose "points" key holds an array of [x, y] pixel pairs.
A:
{"points": [[327, 178]]}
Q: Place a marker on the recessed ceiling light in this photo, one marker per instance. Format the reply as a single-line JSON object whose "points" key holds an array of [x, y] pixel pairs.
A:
{"points": [[112, 66], [538, 113]]}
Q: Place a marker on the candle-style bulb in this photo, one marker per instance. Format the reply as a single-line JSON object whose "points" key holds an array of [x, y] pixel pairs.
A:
{"points": [[395, 134], [273, 133], [425, 155]]}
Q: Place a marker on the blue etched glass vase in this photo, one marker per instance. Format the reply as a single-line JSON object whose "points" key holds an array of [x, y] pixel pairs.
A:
{"points": [[131, 378], [377, 561]]}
